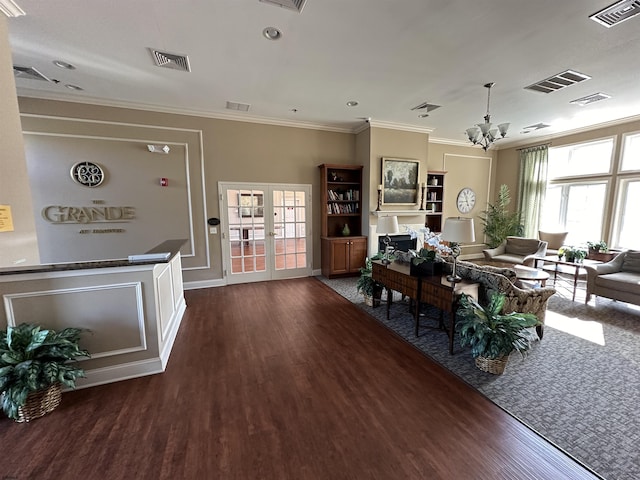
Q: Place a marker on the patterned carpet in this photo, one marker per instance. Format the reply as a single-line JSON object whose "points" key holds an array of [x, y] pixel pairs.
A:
{"points": [[579, 387]]}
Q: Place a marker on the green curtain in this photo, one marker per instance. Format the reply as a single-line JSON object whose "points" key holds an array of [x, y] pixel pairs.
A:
{"points": [[532, 183]]}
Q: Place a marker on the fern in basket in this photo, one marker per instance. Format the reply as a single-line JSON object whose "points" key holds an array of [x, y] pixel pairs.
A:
{"points": [[491, 334], [32, 359]]}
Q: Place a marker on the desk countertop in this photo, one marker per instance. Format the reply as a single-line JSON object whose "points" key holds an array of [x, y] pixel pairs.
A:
{"points": [[171, 246]]}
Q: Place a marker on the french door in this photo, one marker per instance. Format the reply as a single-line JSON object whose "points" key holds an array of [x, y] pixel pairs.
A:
{"points": [[266, 231]]}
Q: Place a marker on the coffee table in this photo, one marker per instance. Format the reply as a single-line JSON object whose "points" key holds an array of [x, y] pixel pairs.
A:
{"points": [[555, 265], [531, 274]]}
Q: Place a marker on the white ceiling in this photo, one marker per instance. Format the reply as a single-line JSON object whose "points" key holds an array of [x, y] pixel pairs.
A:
{"points": [[389, 55]]}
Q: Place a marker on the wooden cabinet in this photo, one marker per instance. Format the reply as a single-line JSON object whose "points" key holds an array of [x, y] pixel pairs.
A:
{"points": [[344, 248], [343, 256], [434, 196]]}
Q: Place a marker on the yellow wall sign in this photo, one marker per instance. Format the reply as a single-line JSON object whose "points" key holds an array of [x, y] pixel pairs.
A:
{"points": [[6, 220]]}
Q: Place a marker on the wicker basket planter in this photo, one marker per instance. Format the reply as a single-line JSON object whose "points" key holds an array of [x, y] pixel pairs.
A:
{"points": [[40, 402], [492, 365]]}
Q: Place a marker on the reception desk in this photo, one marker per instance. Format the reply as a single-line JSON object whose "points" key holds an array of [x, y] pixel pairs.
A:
{"points": [[132, 309]]}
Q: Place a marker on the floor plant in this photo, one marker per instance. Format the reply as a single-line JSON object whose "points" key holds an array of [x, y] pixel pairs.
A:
{"points": [[492, 335], [32, 359]]}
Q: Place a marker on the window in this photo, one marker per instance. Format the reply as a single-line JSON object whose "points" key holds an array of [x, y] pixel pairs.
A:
{"points": [[631, 152], [575, 200], [582, 159], [628, 231], [576, 208]]}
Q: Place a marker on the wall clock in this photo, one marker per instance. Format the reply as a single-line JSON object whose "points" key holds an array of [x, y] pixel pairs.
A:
{"points": [[466, 200]]}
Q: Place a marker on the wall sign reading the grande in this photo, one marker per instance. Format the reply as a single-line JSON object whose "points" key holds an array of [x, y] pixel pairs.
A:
{"points": [[92, 214]]}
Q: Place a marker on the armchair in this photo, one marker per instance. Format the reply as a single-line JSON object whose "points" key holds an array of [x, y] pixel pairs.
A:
{"points": [[517, 250], [554, 240], [618, 279]]}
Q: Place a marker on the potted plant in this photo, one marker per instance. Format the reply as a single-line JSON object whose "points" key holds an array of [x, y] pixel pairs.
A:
{"points": [[426, 262], [599, 251], [498, 222], [366, 285], [34, 364], [574, 254], [491, 335]]}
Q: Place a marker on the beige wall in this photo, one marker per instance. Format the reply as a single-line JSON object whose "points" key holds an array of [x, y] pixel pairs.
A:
{"points": [[17, 247], [230, 151]]}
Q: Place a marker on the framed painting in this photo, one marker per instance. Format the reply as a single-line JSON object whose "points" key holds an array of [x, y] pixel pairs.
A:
{"points": [[251, 205], [400, 181]]}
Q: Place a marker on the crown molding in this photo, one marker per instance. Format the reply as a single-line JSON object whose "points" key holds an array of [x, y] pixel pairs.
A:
{"points": [[237, 117], [11, 8], [399, 126], [449, 141]]}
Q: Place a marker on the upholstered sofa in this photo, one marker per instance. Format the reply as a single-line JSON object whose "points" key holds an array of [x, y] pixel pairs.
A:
{"points": [[502, 280], [618, 279], [517, 250]]}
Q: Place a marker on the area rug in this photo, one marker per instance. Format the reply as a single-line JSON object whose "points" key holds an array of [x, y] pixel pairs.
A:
{"points": [[579, 387]]}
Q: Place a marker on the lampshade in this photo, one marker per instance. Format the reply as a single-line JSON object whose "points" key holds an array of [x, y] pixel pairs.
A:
{"points": [[458, 230], [388, 224]]}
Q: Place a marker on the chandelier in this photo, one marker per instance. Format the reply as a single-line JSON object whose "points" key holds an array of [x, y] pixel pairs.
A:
{"points": [[482, 134]]}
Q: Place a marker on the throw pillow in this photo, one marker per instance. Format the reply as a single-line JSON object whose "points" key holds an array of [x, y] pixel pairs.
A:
{"points": [[631, 261]]}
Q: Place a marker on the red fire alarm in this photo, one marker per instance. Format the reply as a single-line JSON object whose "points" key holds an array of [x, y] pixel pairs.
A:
{"points": [[164, 182]]}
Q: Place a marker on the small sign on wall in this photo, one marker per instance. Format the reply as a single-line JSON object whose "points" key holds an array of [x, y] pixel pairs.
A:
{"points": [[6, 219]]}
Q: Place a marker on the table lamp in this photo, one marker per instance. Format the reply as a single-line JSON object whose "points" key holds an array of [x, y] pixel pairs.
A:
{"points": [[387, 225], [457, 230]]}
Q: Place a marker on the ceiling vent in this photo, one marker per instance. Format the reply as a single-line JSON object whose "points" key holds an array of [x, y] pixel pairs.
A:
{"points": [[242, 107], [171, 60], [533, 128], [594, 97], [295, 5], [29, 73], [617, 13], [558, 81], [427, 107]]}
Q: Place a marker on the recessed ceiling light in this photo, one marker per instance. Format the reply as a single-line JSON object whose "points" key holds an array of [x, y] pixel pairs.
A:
{"points": [[73, 87], [65, 65], [422, 115], [272, 33], [352, 103]]}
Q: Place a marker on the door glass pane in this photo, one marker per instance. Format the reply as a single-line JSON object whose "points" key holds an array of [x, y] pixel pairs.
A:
{"points": [[629, 225], [290, 238], [245, 213]]}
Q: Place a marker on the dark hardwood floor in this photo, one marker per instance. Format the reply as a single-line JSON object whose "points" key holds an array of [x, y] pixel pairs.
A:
{"points": [[281, 380]]}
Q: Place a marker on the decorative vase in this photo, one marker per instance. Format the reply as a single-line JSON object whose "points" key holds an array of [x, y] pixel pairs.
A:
{"points": [[345, 230], [425, 269], [492, 365]]}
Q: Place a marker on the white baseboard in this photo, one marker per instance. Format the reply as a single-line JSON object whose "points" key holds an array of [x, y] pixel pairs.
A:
{"points": [[219, 282], [117, 373]]}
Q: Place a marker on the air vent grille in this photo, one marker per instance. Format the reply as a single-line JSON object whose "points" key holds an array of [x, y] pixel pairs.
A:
{"points": [[171, 60], [295, 5], [29, 73], [558, 81], [427, 107], [617, 13], [242, 107], [594, 97], [533, 128]]}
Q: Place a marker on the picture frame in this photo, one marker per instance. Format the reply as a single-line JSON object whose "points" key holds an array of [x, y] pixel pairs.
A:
{"points": [[400, 184], [251, 205]]}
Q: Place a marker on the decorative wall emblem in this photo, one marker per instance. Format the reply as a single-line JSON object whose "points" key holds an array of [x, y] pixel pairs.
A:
{"points": [[87, 173]]}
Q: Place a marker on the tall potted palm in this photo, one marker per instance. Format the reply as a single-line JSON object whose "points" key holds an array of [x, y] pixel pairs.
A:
{"points": [[491, 335], [34, 365]]}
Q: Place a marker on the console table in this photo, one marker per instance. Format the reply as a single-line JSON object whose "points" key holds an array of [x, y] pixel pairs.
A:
{"points": [[436, 291]]}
